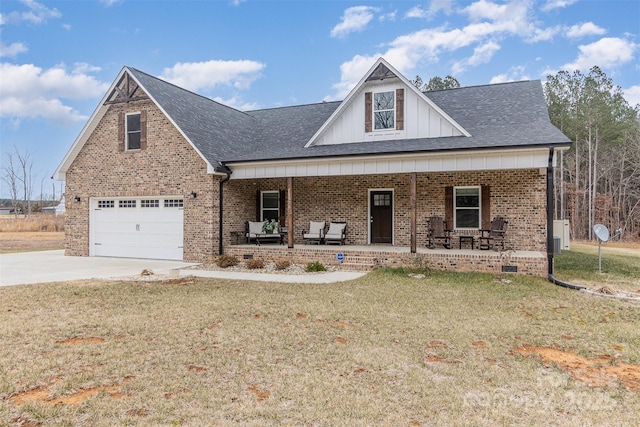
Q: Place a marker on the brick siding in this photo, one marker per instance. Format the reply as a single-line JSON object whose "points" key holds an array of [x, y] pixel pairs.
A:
{"points": [[170, 166], [518, 195]]}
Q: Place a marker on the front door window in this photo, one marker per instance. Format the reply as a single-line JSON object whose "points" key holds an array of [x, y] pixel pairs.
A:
{"points": [[381, 217]]}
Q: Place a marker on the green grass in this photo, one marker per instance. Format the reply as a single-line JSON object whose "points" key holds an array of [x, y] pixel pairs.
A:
{"points": [[386, 349], [580, 265]]}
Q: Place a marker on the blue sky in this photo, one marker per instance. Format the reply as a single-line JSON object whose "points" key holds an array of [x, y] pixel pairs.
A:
{"points": [[58, 58]]}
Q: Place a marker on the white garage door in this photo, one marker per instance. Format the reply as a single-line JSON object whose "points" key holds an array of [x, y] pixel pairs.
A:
{"points": [[146, 227]]}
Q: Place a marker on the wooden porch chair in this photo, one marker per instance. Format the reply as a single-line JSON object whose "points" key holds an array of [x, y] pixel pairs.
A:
{"points": [[315, 233], [438, 233], [495, 236], [337, 233]]}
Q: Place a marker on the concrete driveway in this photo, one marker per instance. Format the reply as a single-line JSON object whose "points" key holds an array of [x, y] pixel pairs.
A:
{"points": [[52, 266]]}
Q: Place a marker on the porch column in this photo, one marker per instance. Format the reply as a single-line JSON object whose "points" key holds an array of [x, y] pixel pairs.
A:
{"points": [[290, 230], [413, 201]]}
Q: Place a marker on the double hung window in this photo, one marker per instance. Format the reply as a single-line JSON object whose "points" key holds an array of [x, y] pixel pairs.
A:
{"points": [[133, 131], [384, 110], [270, 205], [466, 205]]}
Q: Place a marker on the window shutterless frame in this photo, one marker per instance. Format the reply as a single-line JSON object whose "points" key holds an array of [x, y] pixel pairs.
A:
{"points": [[467, 206], [133, 131], [384, 110], [269, 205]]}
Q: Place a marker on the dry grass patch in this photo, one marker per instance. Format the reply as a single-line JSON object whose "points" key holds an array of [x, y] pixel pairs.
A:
{"points": [[27, 241], [449, 349]]}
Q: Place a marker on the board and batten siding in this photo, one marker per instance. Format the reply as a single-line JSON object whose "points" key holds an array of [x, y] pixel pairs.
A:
{"points": [[420, 120], [470, 161]]}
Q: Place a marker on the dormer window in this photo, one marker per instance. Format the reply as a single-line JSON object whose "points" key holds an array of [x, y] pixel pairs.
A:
{"points": [[384, 110], [133, 131]]}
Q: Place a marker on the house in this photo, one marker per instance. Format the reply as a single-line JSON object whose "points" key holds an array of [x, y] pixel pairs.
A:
{"points": [[161, 172], [57, 209]]}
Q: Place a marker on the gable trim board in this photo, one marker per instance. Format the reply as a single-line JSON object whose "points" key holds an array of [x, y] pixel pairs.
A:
{"points": [[99, 113]]}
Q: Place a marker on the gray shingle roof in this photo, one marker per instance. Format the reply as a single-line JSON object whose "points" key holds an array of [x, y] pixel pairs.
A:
{"points": [[497, 116]]}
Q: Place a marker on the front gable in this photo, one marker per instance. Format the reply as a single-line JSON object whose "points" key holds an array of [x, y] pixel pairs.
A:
{"points": [[125, 95], [385, 106]]}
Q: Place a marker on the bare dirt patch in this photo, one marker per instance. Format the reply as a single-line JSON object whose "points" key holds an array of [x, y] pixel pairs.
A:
{"points": [[42, 393], [598, 372], [80, 340], [26, 241], [260, 394]]}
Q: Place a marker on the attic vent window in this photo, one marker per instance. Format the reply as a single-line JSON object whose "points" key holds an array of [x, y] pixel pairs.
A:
{"points": [[384, 110]]}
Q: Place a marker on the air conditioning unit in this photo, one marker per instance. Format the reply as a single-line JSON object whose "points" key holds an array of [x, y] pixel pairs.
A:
{"points": [[561, 230]]}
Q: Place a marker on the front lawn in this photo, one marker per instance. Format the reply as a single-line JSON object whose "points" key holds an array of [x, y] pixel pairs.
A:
{"points": [[387, 349]]}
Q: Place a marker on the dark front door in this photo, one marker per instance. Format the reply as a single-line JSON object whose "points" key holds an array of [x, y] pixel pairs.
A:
{"points": [[381, 216]]}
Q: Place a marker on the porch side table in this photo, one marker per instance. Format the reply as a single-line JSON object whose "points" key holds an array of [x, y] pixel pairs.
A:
{"points": [[465, 240]]}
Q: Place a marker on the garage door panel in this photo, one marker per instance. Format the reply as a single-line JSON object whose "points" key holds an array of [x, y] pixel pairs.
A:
{"points": [[152, 231]]}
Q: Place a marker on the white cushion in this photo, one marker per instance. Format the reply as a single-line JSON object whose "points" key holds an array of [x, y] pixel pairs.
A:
{"points": [[335, 231], [316, 229], [255, 227]]}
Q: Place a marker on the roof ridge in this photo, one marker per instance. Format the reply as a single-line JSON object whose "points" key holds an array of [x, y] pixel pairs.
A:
{"points": [[294, 106], [483, 85], [185, 90]]}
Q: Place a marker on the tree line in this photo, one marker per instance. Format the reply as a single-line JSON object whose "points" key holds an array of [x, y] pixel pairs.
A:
{"points": [[19, 179], [598, 178]]}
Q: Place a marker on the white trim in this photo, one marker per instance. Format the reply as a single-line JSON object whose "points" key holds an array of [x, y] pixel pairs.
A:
{"points": [[373, 110], [461, 187], [96, 117], [262, 208], [138, 209], [529, 158], [358, 87], [393, 211]]}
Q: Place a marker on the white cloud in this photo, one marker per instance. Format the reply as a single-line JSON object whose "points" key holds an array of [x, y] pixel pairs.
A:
{"points": [[632, 95], [206, 75], [36, 92], [236, 2], [488, 20], [417, 12], [12, 50], [543, 34], [37, 14], [110, 3], [510, 17], [481, 55], [607, 53], [557, 4], [586, 29], [354, 19], [516, 73], [391, 16], [237, 103]]}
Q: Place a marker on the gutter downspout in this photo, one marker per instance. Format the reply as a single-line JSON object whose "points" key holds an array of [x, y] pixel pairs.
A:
{"points": [[220, 218], [550, 209]]}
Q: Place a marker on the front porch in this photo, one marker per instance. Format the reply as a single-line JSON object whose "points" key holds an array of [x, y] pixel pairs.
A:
{"points": [[369, 257]]}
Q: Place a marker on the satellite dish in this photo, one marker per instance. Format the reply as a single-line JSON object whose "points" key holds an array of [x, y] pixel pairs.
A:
{"points": [[602, 233]]}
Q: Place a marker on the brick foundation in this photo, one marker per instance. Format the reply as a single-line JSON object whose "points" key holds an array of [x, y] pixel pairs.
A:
{"points": [[530, 263]]}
